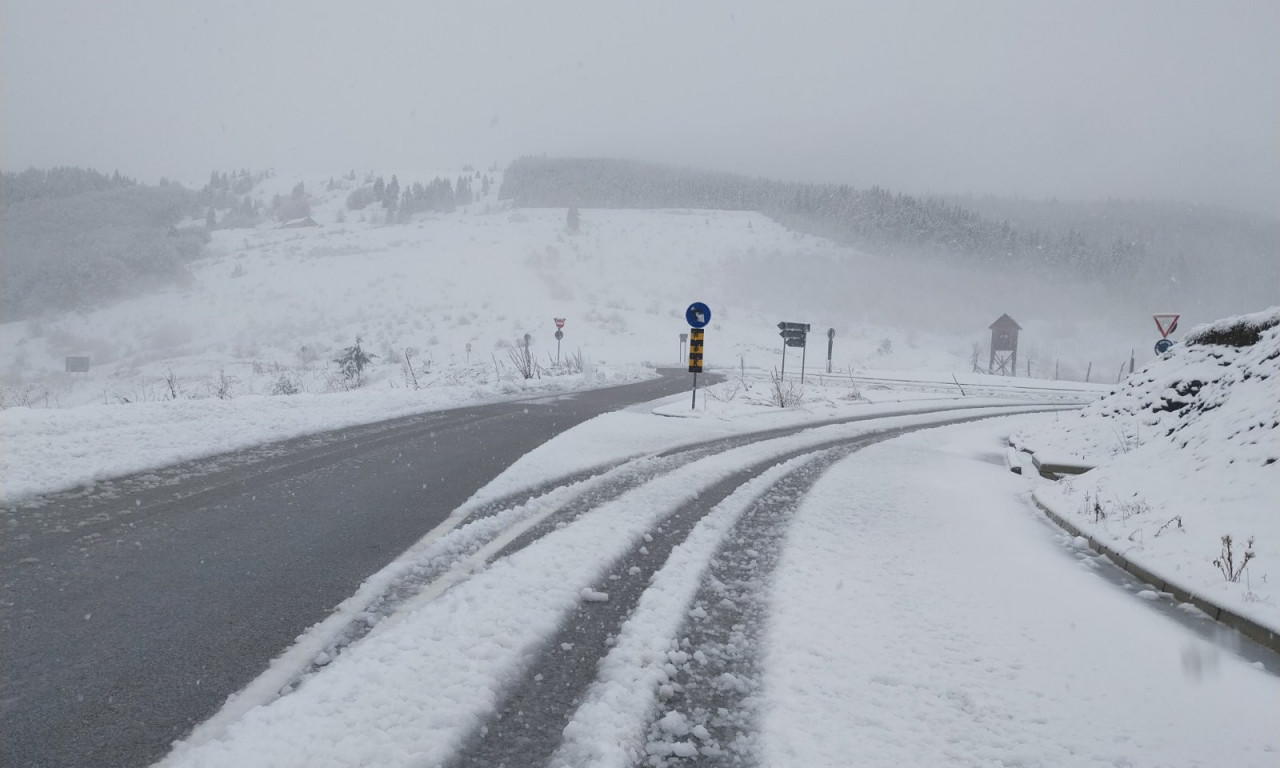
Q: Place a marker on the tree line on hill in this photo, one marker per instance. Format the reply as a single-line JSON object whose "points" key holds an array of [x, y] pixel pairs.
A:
{"points": [[72, 238], [438, 196], [1159, 250]]}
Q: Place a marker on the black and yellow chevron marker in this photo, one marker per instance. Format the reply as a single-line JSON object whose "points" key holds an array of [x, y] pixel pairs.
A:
{"points": [[695, 350]]}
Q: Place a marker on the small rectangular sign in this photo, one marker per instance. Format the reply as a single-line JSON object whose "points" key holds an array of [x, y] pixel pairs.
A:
{"points": [[695, 350], [77, 364]]}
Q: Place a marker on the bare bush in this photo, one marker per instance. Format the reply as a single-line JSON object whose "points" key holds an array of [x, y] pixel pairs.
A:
{"points": [[1226, 559], [171, 381], [286, 385], [522, 360], [726, 394], [221, 386], [784, 394]]}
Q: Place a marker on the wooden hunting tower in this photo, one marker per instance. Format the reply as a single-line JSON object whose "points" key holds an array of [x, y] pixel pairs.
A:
{"points": [[1004, 346]]}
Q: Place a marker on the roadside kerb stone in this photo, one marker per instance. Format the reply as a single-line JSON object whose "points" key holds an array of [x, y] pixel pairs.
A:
{"points": [[1248, 627], [1052, 469]]}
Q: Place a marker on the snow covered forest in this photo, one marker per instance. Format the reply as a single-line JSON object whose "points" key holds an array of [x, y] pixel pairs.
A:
{"points": [[1212, 260], [71, 239]]}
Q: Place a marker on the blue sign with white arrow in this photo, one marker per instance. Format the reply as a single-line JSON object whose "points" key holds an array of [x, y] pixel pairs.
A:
{"points": [[1163, 345], [698, 315]]}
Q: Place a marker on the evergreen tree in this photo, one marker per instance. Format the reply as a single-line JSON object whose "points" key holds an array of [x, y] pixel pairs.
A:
{"points": [[353, 361], [391, 195]]}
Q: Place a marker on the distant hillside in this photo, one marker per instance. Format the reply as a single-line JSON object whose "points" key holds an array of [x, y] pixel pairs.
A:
{"points": [[1209, 260], [72, 239]]}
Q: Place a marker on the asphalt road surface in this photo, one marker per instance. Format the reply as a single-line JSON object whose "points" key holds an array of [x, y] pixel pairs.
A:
{"points": [[131, 610]]}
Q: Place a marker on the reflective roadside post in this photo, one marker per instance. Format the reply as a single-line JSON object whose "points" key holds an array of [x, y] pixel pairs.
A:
{"points": [[831, 337], [697, 315], [559, 336]]}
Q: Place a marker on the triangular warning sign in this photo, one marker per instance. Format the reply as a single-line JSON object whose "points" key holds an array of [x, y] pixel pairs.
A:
{"points": [[1167, 324]]}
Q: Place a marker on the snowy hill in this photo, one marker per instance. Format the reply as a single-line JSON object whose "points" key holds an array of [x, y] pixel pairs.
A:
{"points": [[245, 349], [1187, 453], [268, 308]]}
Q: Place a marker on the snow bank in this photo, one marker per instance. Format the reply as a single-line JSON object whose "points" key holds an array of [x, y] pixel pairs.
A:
{"points": [[1186, 454], [921, 617]]}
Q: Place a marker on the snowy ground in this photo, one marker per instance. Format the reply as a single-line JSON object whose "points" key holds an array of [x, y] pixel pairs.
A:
{"points": [[1187, 452], [914, 611], [442, 301], [919, 612]]}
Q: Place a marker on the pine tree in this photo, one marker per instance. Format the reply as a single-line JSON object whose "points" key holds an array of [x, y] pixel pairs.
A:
{"points": [[352, 362], [391, 195]]}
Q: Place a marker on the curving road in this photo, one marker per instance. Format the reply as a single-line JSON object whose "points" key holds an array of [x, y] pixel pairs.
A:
{"points": [[131, 612]]}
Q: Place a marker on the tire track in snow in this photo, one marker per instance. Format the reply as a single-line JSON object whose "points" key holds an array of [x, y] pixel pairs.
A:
{"points": [[526, 726], [706, 713], [473, 527]]}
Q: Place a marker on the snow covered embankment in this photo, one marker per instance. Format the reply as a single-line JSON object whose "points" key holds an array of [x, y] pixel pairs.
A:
{"points": [[1186, 481]]}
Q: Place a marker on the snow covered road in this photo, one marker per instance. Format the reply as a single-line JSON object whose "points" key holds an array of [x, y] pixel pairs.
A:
{"points": [[980, 639], [817, 598]]}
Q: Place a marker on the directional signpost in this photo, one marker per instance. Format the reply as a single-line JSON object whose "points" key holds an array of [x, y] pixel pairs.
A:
{"points": [[793, 335], [831, 338], [559, 336], [1165, 323], [698, 315]]}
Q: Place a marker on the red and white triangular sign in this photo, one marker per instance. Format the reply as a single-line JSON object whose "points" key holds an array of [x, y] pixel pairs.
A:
{"points": [[1167, 324]]}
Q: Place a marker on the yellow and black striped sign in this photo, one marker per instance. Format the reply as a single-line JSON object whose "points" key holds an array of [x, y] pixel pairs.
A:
{"points": [[695, 350]]}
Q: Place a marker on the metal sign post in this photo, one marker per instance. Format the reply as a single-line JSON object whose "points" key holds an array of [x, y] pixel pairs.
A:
{"points": [[698, 315], [695, 360], [831, 337], [793, 335]]}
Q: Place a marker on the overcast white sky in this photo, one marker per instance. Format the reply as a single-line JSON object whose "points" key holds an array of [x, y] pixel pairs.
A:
{"points": [[1074, 98]]}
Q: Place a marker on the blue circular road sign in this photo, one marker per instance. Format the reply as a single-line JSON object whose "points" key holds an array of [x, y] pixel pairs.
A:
{"points": [[1163, 345], [698, 315]]}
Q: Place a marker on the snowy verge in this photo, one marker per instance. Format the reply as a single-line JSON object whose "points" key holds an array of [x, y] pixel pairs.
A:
{"points": [[53, 449], [1186, 481], [922, 615]]}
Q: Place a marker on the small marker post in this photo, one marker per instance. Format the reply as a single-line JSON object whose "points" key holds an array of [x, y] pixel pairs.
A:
{"points": [[697, 315]]}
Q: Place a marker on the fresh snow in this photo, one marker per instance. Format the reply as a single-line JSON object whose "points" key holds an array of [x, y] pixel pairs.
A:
{"points": [[412, 689], [963, 631], [1187, 451], [205, 368], [923, 614]]}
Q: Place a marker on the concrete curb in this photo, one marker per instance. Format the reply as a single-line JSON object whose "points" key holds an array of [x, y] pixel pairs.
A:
{"points": [[1248, 627], [1054, 470]]}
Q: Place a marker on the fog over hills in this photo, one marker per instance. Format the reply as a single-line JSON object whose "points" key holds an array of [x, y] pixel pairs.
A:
{"points": [[441, 264]]}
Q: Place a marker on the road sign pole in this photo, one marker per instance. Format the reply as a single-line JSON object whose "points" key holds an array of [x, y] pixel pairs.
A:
{"points": [[831, 339], [696, 336], [804, 352], [784, 361]]}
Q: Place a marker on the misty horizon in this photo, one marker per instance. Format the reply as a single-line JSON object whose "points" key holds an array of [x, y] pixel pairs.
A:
{"points": [[1036, 101]]}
